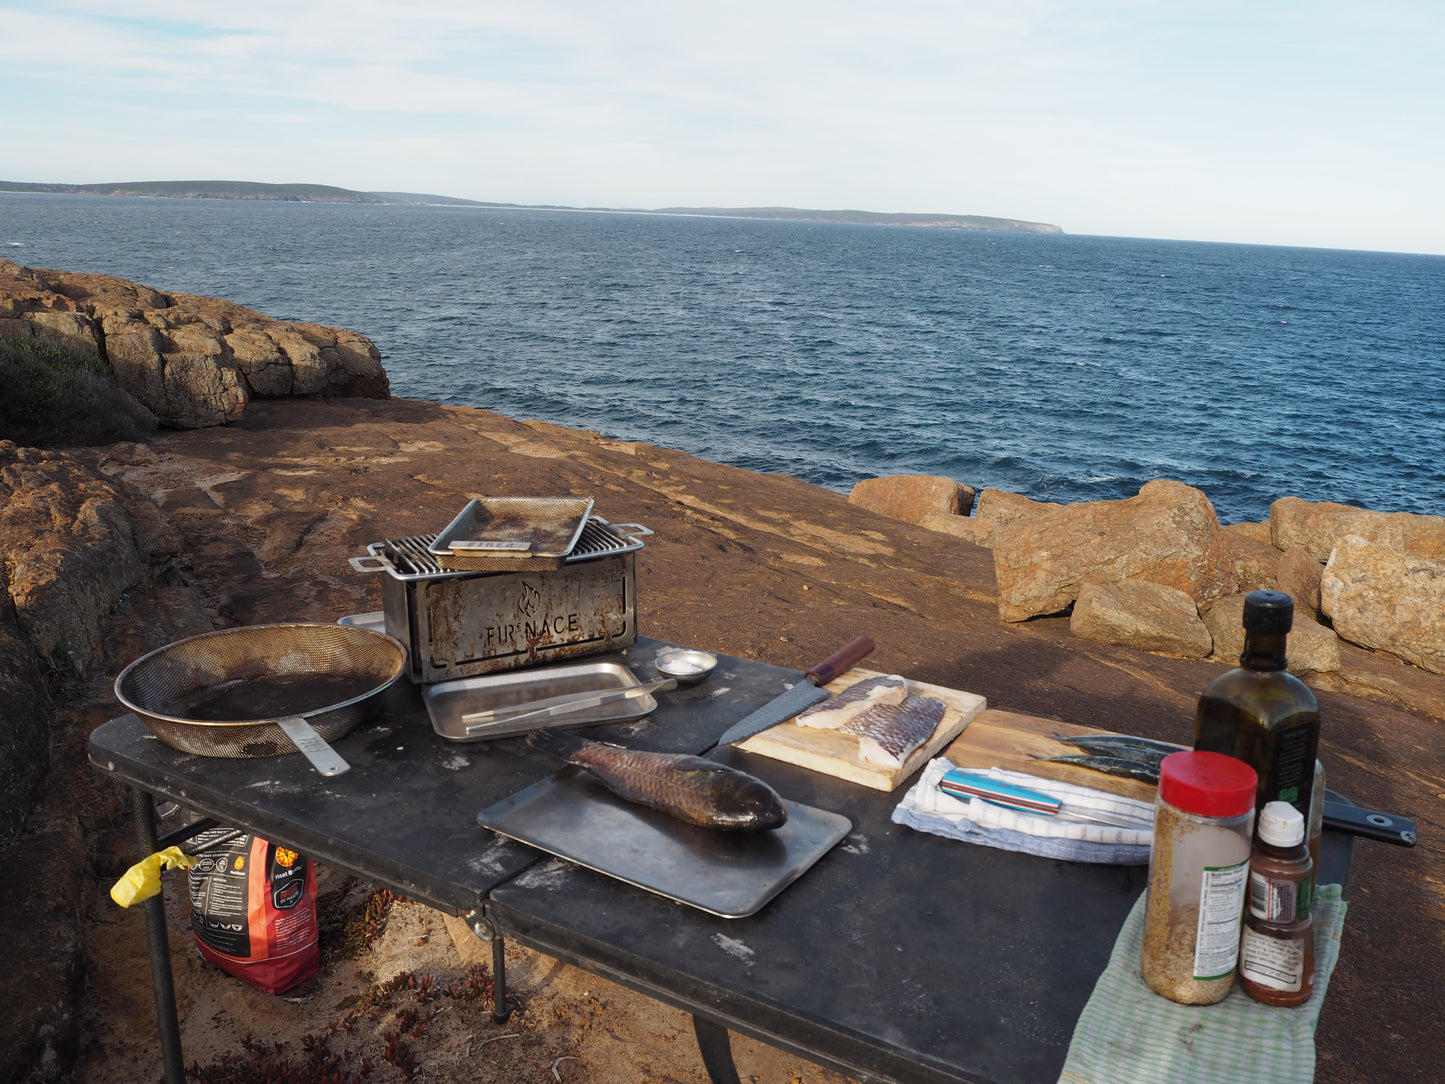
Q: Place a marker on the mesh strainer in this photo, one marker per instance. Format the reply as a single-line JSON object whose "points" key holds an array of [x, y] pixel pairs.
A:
{"points": [[239, 692]]}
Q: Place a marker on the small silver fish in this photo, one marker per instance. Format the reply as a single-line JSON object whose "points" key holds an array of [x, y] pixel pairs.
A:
{"points": [[1124, 746], [692, 789], [1109, 765]]}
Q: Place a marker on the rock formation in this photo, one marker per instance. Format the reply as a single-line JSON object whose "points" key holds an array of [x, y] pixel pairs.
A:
{"points": [[1319, 525], [1166, 535], [913, 497], [1373, 579], [1138, 613], [192, 361], [1387, 598], [73, 546]]}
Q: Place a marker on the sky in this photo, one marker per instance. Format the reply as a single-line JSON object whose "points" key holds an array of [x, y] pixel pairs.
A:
{"points": [[1316, 123]]}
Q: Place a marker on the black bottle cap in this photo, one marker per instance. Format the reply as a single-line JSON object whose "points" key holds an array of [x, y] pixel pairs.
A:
{"points": [[1269, 612]]}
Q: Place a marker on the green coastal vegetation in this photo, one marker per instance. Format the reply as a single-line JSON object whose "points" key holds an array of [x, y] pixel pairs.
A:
{"points": [[323, 193], [57, 397]]}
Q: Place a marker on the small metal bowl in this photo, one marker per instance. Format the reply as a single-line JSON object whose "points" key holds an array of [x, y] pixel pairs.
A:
{"points": [[687, 664]]}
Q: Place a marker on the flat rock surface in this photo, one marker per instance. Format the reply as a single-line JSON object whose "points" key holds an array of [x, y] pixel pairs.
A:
{"points": [[762, 566]]}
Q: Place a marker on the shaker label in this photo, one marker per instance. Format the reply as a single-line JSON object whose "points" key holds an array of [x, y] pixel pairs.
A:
{"points": [[1221, 904], [1273, 962]]}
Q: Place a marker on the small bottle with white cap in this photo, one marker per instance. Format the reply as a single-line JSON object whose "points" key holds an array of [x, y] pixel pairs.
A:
{"points": [[1276, 950]]}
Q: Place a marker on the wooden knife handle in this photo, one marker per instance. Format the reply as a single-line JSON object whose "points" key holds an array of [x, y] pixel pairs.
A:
{"points": [[840, 660]]}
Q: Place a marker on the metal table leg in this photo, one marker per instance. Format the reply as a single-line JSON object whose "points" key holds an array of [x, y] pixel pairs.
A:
{"points": [[716, 1050], [500, 1012], [160, 951], [484, 929]]}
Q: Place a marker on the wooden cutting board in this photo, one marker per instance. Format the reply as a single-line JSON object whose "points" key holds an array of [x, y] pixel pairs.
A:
{"points": [[837, 754], [1005, 739]]}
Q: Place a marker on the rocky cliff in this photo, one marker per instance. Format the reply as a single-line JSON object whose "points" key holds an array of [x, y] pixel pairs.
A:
{"points": [[193, 361], [111, 552]]}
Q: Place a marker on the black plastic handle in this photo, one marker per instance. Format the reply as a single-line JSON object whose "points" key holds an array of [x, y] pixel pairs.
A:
{"points": [[1385, 827]]}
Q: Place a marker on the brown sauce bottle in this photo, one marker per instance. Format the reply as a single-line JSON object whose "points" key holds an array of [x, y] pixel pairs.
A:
{"points": [[1277, 947]]}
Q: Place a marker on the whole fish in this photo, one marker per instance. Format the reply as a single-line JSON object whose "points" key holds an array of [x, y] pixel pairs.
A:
{"points": [[1121, 766], [1124, 746], [692, 789]]}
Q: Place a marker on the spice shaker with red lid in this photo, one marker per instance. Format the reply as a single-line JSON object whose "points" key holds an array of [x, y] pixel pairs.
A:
{"points": [[1198, 875]]}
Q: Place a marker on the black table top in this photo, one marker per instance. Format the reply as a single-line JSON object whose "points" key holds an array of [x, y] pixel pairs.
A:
{"points": [[899, 956], [406, 811]]}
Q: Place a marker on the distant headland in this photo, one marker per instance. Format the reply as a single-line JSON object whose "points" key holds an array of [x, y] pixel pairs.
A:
{"points": [[324, 193]]}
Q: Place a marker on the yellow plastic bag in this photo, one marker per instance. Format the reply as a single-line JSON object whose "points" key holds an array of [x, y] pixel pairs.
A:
{"points": [[143, 880]]}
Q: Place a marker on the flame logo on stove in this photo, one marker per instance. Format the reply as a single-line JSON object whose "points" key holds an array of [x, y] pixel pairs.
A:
{"points": [[531, 600]]}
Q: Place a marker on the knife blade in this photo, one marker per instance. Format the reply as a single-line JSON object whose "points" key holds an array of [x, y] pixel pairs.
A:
{"points": [[802, 695]]}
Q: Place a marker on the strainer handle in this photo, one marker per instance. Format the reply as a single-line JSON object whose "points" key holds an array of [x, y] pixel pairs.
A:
{"points": [[313, 746]]}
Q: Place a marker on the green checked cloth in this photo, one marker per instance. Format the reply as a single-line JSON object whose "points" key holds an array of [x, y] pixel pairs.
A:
{"points": [[1128, 1034]]}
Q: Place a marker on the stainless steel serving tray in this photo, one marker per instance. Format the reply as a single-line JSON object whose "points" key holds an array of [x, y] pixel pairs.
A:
{"points": [[728, 874], [512, 534], [447, 701], [374, 620]]}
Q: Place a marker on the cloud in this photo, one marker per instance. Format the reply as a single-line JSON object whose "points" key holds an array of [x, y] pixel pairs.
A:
{"points": [[1089, 114]]}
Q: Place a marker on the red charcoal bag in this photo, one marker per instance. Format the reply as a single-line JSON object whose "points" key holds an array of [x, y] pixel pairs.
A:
{"points": [[253, 909]]}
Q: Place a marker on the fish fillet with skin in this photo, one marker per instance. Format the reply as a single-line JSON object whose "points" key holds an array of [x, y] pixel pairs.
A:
{"points": [[888, 733], [837, 711]]}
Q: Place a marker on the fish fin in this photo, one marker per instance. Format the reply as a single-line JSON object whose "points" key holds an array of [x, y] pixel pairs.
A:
{"points": [[557, 742]]}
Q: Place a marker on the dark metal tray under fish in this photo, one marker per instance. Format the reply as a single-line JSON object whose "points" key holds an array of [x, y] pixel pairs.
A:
{"points": [[728, 874], [511, 534], [447, 701]]}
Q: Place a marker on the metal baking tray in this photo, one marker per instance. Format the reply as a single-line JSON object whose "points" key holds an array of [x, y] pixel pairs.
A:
{"points": [[410, 558], [512, 534], [447, 701], [728, 874], [375, 620]]}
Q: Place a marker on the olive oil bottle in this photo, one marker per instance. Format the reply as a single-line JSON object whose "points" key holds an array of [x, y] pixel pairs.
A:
{"points": [[1261, 714]]}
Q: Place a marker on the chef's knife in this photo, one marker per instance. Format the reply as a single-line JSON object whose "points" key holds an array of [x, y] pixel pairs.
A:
{"points": [[802, 695]]}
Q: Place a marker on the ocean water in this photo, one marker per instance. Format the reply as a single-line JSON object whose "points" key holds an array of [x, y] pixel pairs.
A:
{"points": [[1066, 368]]}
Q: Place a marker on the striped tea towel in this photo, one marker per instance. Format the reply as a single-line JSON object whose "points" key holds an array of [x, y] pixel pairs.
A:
{"points": [[1128, 1034], [973, 820]]}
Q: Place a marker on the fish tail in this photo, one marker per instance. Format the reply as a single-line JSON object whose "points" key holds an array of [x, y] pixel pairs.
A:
{"points": [[559, 743]]}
